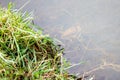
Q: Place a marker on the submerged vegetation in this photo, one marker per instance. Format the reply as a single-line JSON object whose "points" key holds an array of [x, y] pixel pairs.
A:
{"points": [[26, 54]]}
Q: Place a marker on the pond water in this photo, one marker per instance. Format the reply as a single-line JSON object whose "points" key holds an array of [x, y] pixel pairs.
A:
{"points": [[88, 29]]}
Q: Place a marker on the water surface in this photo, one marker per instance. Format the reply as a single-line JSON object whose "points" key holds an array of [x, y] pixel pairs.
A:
{"points": [[88, 29]]}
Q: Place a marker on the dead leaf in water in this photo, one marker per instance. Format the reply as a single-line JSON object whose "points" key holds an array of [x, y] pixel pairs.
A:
{"points": [[71, 31]]}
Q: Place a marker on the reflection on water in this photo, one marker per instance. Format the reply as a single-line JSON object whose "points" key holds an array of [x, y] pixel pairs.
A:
{"points": [[89, 31]]}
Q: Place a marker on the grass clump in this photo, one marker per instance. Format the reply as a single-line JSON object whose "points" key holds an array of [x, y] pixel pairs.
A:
{"points": [[26, 54]]}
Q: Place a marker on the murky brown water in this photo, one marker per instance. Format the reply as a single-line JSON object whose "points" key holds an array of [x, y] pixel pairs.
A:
{"points": [[88, 29]]}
